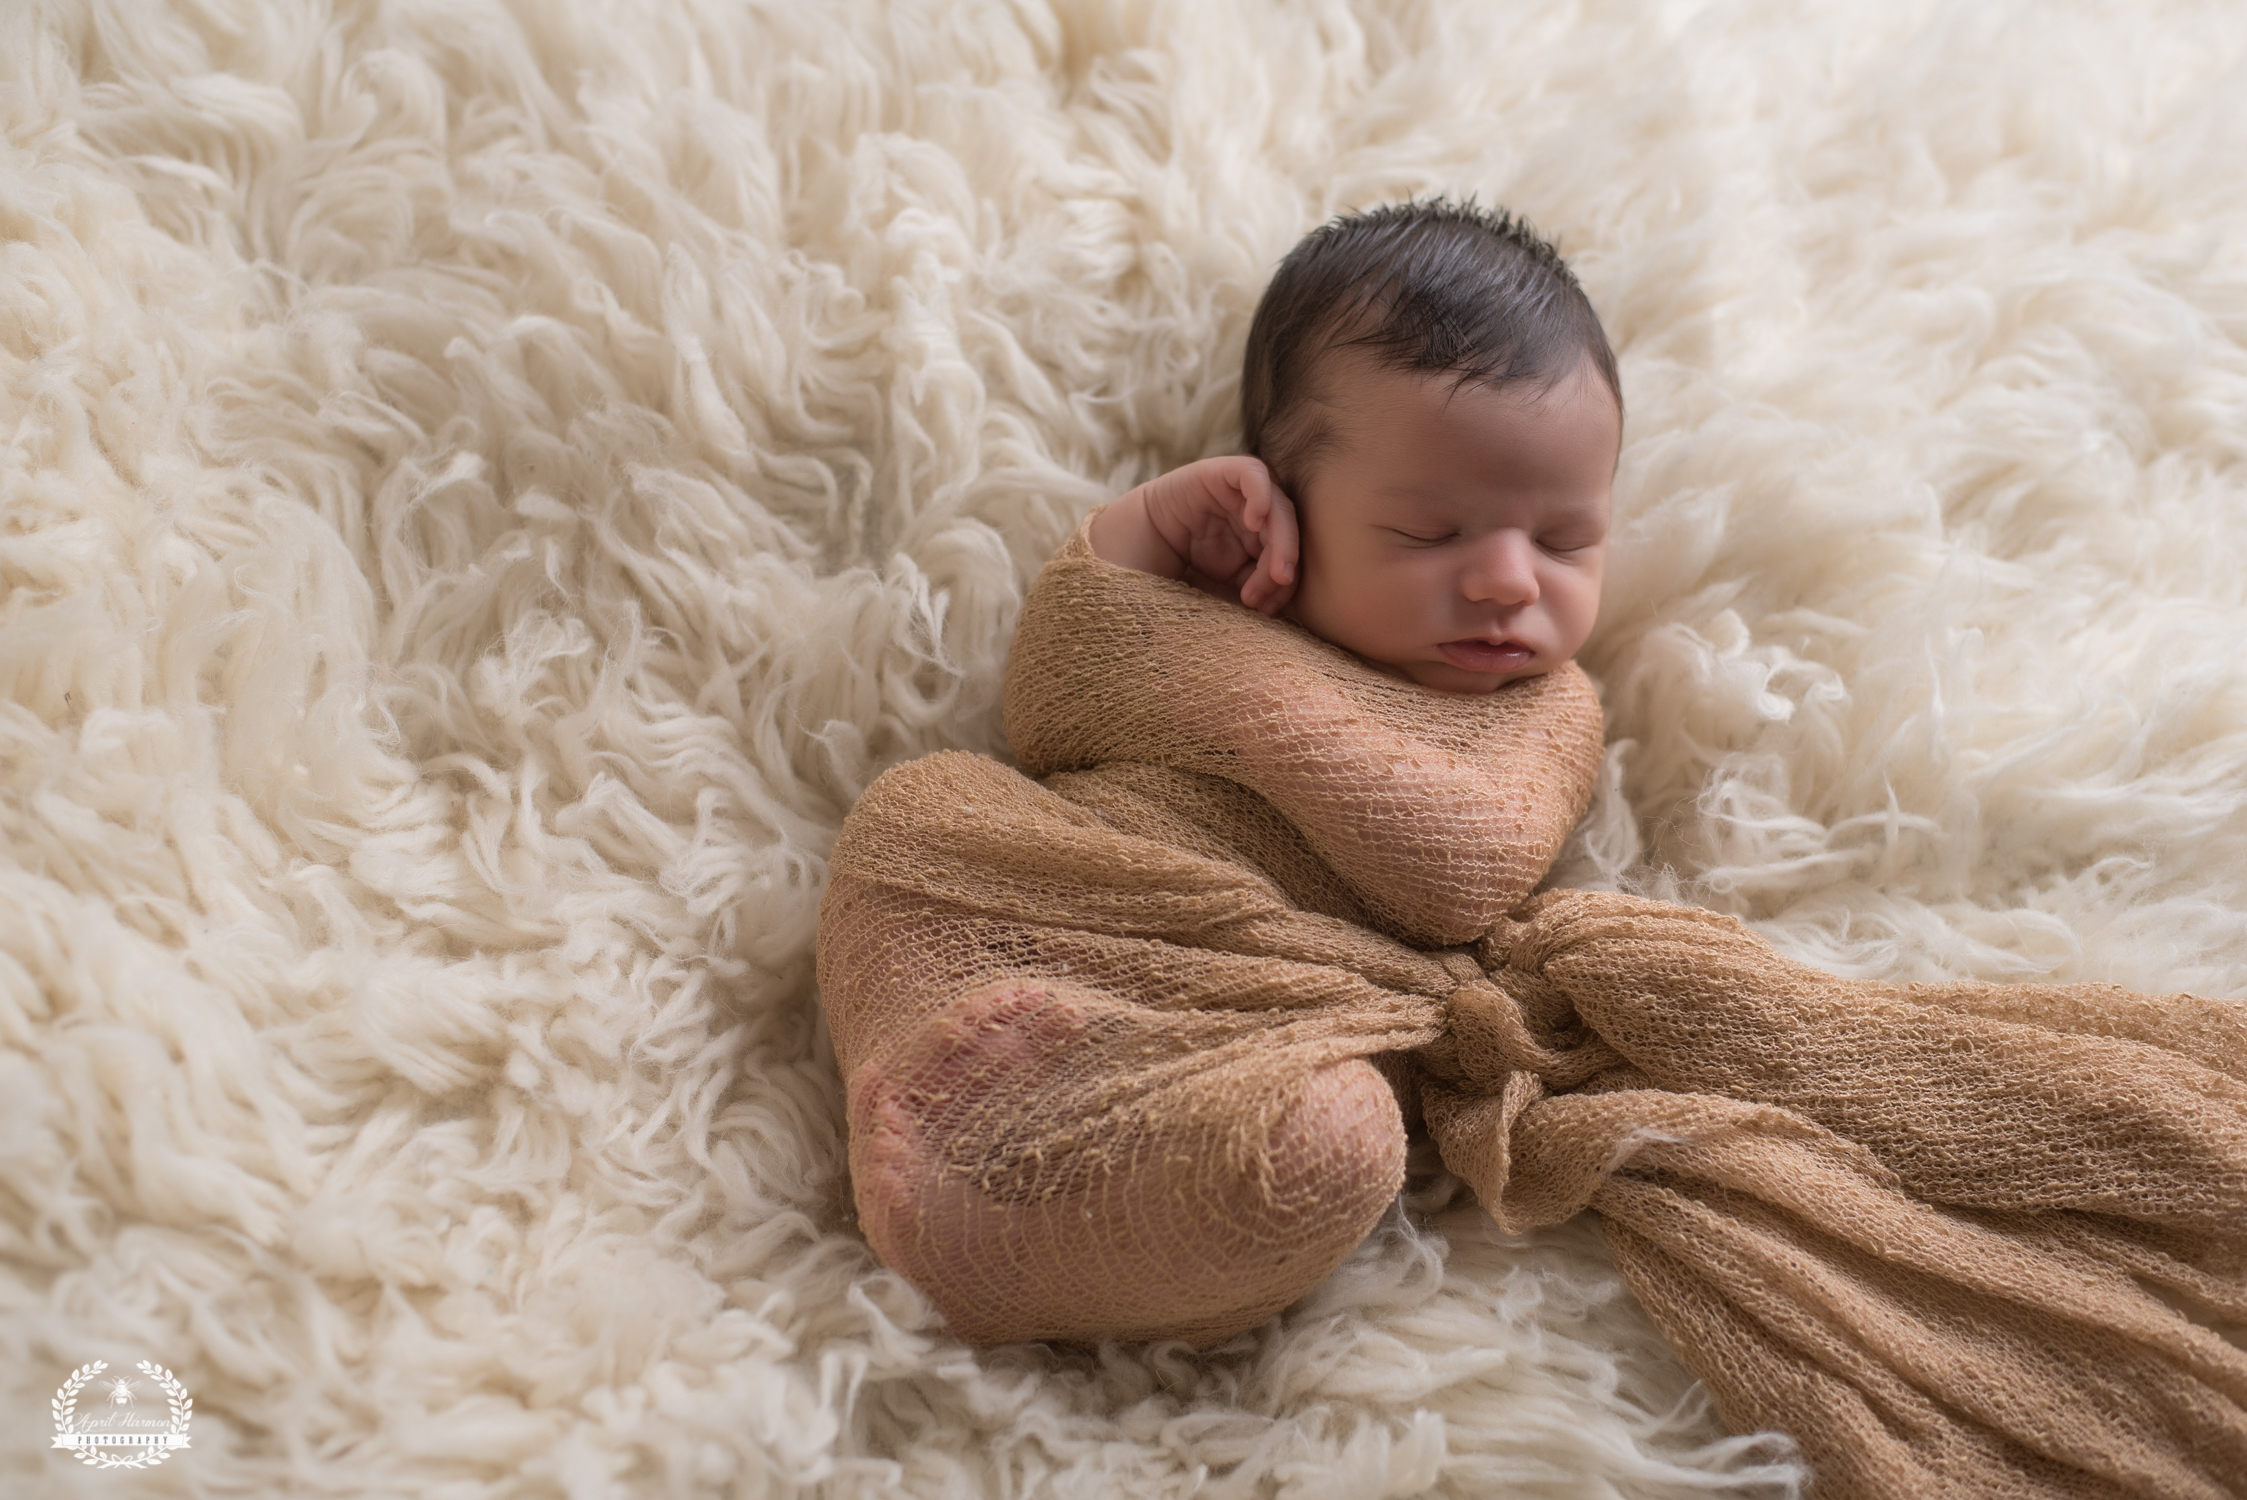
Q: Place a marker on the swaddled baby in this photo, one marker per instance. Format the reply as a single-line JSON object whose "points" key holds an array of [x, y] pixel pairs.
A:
{"points": [[1133, 1034], [1433, 416]]}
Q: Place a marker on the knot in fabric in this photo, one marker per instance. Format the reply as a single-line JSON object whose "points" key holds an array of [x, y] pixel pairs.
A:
{"points": [[1514, 1021]]}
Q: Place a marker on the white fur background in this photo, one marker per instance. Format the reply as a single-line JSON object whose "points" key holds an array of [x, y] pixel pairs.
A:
{"points": [[487, 484]]}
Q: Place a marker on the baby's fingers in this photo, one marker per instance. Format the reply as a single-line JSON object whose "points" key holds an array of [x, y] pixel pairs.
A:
{"points": [[1282, 544], [1269, 517], [1272, 582]]}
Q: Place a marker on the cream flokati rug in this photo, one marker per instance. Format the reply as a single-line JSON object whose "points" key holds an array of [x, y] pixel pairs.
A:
{"points": [[486, 487]]}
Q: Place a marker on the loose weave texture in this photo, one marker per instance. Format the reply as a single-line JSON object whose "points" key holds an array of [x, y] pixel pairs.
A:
{"points": [[1133, 1047]]}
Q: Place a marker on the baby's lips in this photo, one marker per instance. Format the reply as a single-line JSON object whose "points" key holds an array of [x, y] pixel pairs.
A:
{"points": [[1487, 656]]}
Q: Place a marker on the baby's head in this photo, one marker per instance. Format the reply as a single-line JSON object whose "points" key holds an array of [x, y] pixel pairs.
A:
{"points": [[1430, 386]]}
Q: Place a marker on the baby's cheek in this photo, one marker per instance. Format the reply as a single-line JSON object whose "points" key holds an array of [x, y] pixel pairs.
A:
{"points": [[1582, 610]]}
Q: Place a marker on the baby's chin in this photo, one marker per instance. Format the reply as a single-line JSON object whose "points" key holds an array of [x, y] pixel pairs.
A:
{"points": [[1452, 680], [1445, 677]]}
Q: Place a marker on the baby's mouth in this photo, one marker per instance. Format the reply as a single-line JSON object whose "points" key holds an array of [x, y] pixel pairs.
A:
{"points": [[1486, 656]]}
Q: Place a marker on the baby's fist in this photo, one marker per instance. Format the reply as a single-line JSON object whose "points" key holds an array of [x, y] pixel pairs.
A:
{"points": [[1220, 524]]}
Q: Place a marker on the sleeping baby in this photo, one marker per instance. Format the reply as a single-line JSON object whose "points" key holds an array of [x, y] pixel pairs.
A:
{"points": [[1433, 417], [1135, 1031]]}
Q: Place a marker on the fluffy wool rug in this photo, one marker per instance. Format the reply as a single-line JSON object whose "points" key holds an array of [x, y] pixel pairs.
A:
{"points": [[487, 485]]}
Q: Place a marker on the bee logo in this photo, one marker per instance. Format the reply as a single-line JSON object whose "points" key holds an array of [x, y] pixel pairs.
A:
{"points": [[120, 1438]]}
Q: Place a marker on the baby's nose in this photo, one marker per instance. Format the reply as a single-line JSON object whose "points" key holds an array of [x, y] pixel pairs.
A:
{"points": [[1501, 569]]}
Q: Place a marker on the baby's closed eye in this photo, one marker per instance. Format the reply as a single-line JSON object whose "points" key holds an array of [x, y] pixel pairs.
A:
{"points": [[1558, 543]]}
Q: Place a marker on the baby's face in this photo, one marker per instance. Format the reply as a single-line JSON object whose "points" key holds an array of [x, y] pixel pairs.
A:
{"points": [[1456, 534]]}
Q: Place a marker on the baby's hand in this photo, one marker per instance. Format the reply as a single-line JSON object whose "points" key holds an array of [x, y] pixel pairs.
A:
{"points": [[1220, 524]]}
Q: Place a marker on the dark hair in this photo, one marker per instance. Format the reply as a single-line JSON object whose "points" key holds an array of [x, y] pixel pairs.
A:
{"points": [[1435, 286]]}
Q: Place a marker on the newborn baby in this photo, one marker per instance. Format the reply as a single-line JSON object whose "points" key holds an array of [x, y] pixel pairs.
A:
{"points": [[1134, 1030], [1433, 418]]}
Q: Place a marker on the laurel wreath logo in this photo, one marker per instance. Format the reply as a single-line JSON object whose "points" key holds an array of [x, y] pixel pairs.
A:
{"points": [[181, 1405]]}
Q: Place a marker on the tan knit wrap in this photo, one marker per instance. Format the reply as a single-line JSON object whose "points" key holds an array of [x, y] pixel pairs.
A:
{"points": [[1115, 1039]]}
